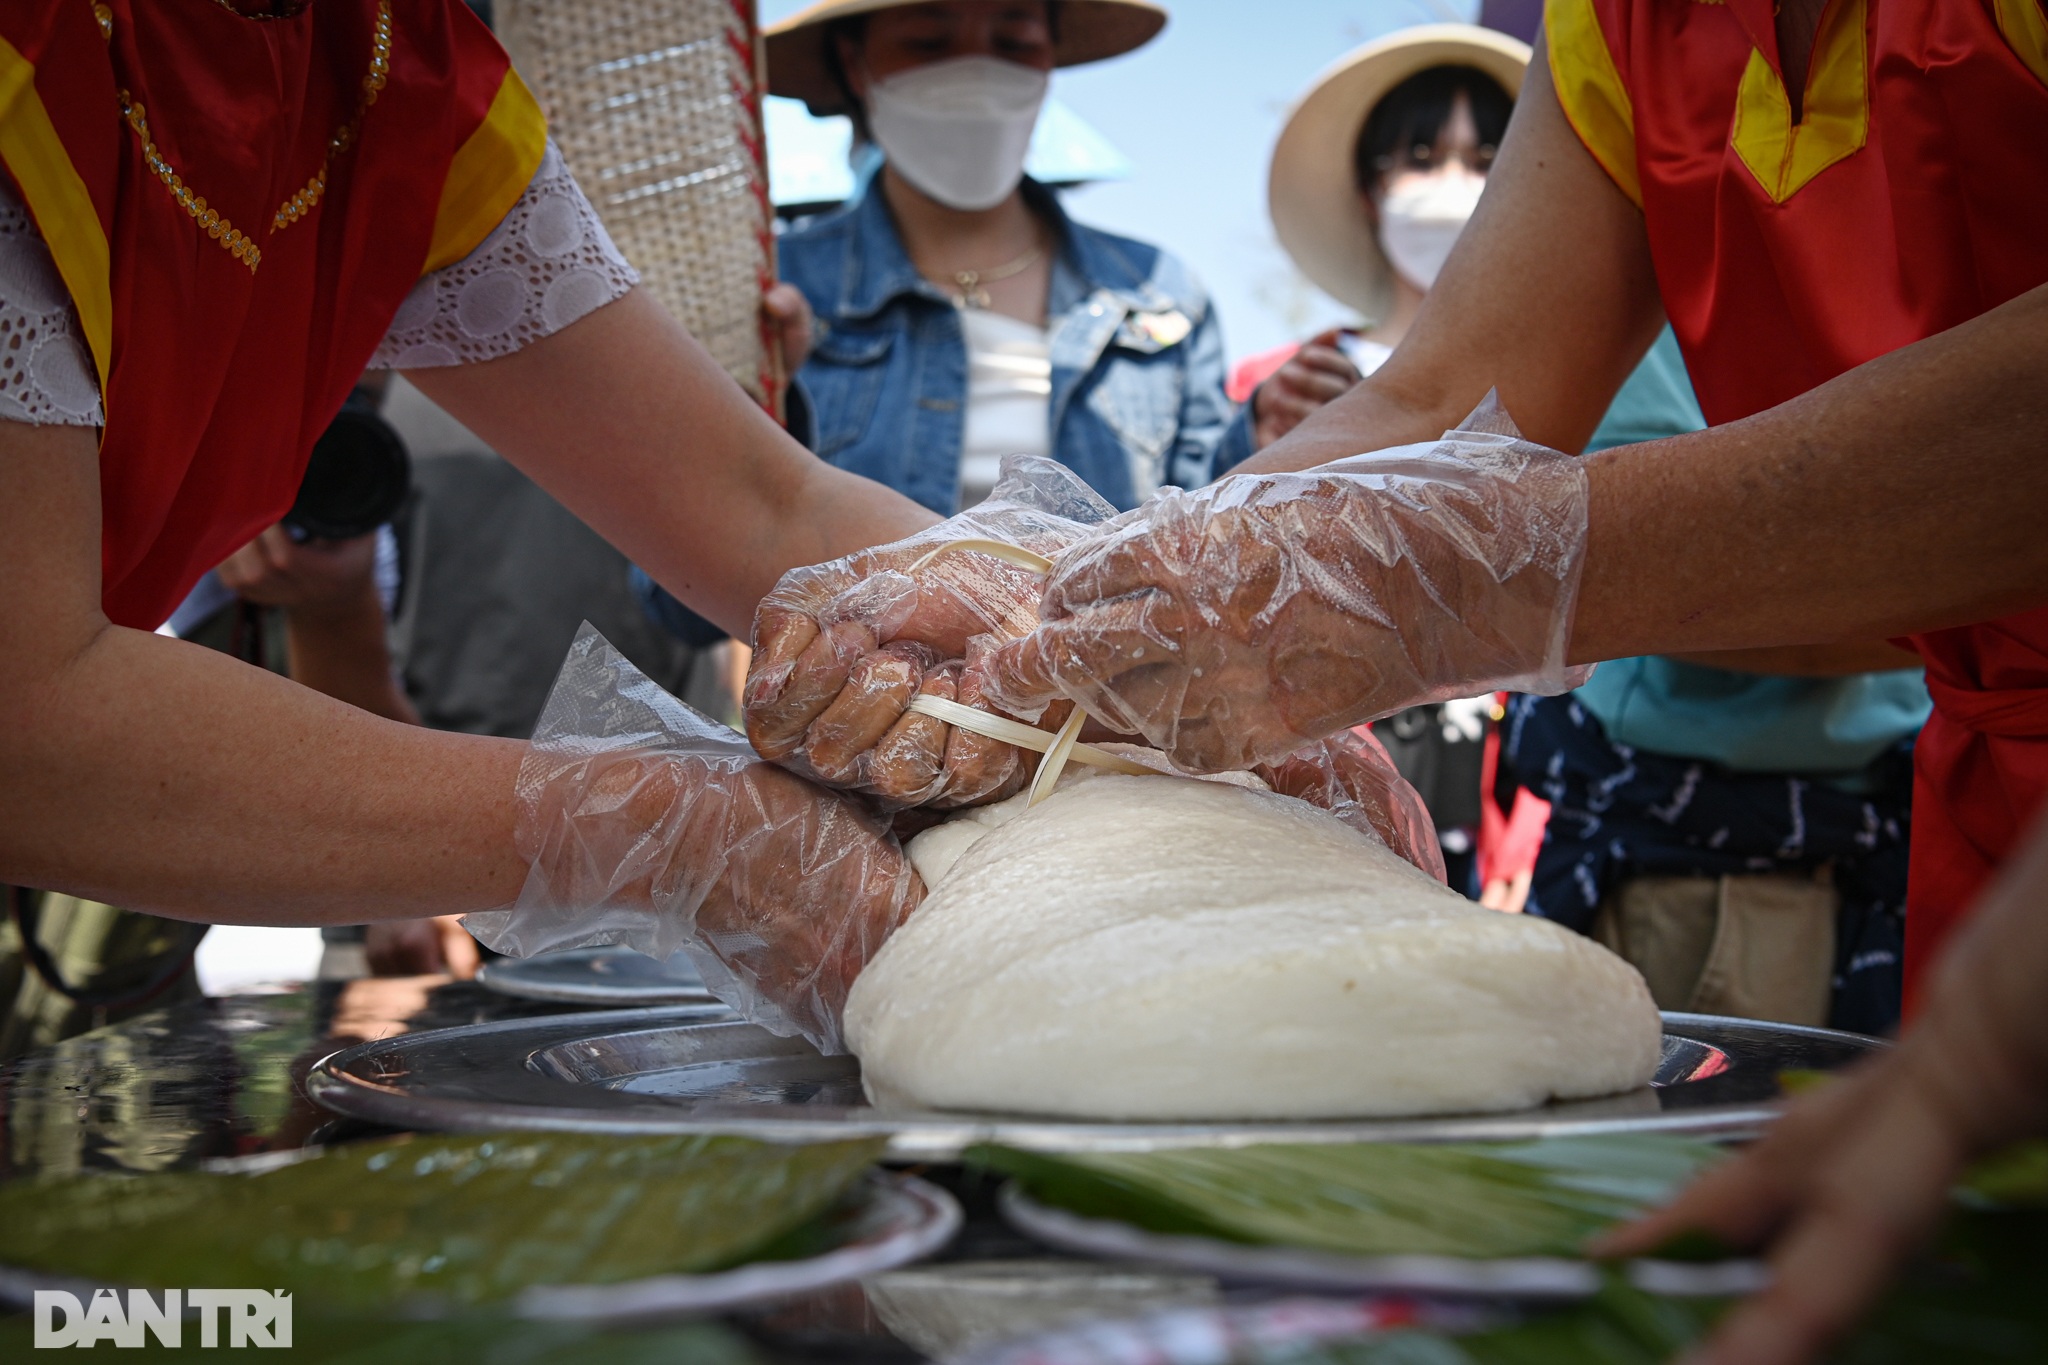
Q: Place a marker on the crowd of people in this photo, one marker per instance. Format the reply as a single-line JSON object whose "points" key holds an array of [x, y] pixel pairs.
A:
{"points": [[1707, 345]]}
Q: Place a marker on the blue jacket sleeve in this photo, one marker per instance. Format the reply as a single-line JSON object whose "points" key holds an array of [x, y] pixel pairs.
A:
{"points": [[1236, 446], [1213, 435]]}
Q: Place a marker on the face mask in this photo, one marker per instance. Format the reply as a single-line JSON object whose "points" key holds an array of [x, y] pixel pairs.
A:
{"points": [[958, 129], [1420, 222]]}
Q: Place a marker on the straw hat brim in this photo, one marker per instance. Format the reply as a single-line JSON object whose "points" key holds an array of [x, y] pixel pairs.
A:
{"points": [[1312, 187], [799, 66]]}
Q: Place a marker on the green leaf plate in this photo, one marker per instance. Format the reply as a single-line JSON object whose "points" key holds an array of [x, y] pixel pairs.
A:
{"points": [[555, 1226], [1494, 1219]]}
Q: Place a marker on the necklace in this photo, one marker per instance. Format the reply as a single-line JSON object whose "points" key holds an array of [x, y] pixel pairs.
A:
{"points": [[973, 292], [215, 224]]}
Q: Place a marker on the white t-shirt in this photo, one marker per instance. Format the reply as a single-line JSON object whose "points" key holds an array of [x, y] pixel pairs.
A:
{"points": [[1009, 388], [1365, 355]]}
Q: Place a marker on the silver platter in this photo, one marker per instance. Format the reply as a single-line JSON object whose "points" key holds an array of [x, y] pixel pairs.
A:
{"points": [[699, 1069], [892, 1221], [614, 977], [1516, 1277]]}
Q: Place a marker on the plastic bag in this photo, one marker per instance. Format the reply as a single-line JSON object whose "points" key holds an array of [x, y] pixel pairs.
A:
{"points": [[840, 649], [1233, 624], [646, 824]]}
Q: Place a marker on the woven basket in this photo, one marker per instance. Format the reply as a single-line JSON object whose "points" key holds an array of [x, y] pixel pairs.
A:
{"points": [[656, 104]]}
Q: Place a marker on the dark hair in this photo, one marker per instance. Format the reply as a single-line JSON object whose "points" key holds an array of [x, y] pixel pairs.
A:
{"points": [[854, 28], [1414, 113]]}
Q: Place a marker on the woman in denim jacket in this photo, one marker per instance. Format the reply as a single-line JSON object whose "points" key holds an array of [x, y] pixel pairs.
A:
{"points": [[951, 313], [959, 313], [1135, 391]]}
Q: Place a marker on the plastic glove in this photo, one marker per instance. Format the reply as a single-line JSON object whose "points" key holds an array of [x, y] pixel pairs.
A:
{"points": [[1234, 624], [648, 825], [1351, 776], [841, 648]]}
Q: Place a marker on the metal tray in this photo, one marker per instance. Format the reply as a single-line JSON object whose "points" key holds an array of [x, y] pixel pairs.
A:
{"points": [[891, 1221], [615, 977], [695, 1069]]}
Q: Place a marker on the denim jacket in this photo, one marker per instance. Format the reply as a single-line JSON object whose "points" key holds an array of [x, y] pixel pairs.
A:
{"points": [[1137, 360]]}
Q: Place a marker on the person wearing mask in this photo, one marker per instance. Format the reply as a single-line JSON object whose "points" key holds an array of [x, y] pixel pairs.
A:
{"points": [[961, 315], [1372, 179], [952, 313], [1738, 835], [1374, 175]]}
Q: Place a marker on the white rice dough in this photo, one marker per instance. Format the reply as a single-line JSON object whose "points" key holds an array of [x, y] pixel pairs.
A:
{"points": [[1169, 949]]}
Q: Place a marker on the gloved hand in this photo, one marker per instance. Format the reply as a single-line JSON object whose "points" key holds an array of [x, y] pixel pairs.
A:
{"points": [[1351, 776], [841, 648], [648, 825], [1234, 624]]}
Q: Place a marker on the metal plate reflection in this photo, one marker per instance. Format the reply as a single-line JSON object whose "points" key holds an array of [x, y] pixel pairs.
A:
{"points": [[701, 1069]]}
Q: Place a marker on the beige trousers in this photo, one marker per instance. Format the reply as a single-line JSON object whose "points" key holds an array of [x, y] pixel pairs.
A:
{"points": [[1755, 947]]}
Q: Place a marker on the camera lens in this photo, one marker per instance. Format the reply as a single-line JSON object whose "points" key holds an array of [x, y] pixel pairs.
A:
{"points": [[357, 477]]}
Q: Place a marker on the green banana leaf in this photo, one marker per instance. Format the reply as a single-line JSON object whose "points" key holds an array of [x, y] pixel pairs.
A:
{"points": [[2014, 1178], [453, 1220], [1976, 1300], [1372, 1199]]}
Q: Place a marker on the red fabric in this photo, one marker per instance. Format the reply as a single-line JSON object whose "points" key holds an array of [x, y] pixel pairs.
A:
{"points": [[1981, 767], [1508, 840], [1937, 218], [1255, 370], [1517, 838], [221, 380]]}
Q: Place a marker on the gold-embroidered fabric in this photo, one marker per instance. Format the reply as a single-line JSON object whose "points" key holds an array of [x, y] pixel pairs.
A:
{"points": [[210, 220]]}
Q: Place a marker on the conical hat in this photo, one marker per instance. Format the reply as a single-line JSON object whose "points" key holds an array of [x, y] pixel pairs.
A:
{"points": [[800, 68], [1312, 186]]}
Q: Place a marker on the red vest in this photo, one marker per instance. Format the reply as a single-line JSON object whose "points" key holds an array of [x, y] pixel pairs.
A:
{"points": [[1912, 196], [216, 377]]}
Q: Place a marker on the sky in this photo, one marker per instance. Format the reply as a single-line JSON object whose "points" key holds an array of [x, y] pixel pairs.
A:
{"points": [[1197, 112]]}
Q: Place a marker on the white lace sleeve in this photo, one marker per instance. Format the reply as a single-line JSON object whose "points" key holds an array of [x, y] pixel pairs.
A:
{"points": [[549, 263], [46, 373]]}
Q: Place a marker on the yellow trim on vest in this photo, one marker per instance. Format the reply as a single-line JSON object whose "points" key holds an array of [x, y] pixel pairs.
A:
{"points": [[1589, 87], [62, 206], [2025, 27], [489, 173], [1784, 156]]}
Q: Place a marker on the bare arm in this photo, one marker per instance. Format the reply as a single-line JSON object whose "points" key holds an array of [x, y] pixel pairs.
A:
{"points": [[1809, 661], [343, 654], [1901, 496], [625, 419], [334, 619], [1549, 296], [160, 775]]}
